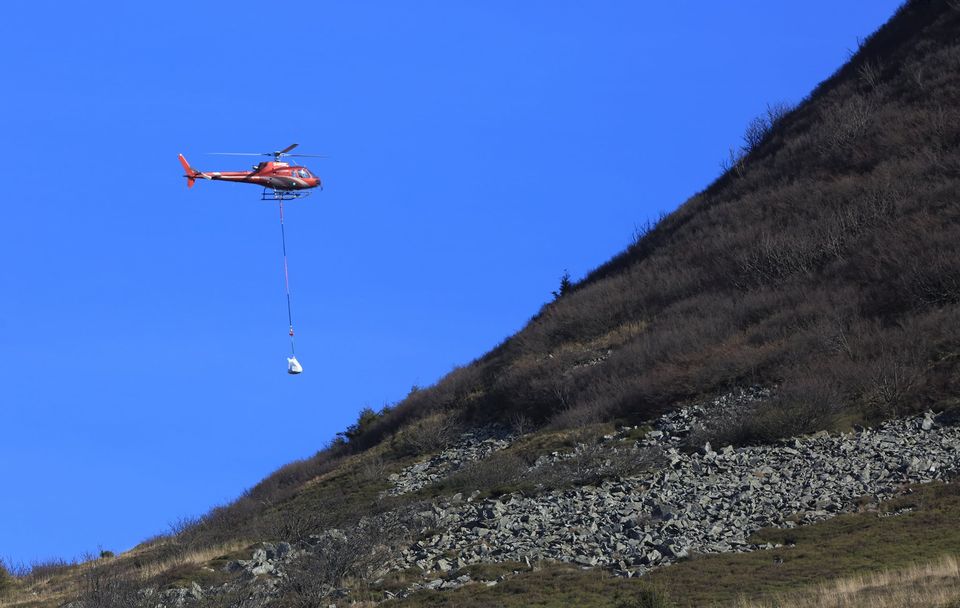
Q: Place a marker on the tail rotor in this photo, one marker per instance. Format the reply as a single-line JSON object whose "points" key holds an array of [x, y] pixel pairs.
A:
{"points": [[191, 173]]}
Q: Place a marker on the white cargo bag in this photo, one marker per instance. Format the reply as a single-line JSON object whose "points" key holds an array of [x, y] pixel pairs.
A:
{"points": [[293, 366]]}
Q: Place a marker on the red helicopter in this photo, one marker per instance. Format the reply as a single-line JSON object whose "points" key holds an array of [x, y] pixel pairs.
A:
{"points": [[280, 180]]}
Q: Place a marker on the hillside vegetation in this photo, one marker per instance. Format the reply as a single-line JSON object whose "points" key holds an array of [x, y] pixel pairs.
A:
{"points": [[825, 262], [822, 268]]}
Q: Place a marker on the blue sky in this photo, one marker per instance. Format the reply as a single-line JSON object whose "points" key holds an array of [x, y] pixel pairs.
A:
{"points": [[476, 150]]}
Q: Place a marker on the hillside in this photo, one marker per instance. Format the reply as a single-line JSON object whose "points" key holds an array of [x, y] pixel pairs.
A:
{"points": [[764, 378]]}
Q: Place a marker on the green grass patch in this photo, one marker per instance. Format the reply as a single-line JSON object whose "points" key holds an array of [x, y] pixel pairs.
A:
{"points": [[491, 571], [637, 433], [186, 574], [843, 546], [554, 586]]}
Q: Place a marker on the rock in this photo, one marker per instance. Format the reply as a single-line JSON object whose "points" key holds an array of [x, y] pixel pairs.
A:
{"points": [[472, 446], [651, 557], [704, 503], [196, 592], [264, 568], [585, 560], [234, 566]]}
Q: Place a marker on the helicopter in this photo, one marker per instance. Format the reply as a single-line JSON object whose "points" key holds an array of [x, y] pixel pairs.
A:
{"points": [[280, 180]]}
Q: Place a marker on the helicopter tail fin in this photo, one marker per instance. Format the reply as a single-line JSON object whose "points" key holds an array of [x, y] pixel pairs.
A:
{"points": [[191, 174]]}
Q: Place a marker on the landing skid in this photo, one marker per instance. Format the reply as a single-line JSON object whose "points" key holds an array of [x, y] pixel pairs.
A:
{"points": [[283, 195]]}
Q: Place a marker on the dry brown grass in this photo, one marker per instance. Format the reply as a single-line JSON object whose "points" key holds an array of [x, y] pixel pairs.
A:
{"points": [[196, 557], [62, 587], [934, 584]]}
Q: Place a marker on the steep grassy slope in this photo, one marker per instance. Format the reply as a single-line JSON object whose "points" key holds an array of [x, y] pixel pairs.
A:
{"points": [[826, 262]]}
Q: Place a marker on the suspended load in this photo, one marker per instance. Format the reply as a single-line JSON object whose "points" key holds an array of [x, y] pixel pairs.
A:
{"points": [[281, 182], [293, 366]]}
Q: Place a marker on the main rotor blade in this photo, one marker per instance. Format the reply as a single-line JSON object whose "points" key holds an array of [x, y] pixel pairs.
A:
{"points": [[309, 155], [288, 148], [240, 153]]}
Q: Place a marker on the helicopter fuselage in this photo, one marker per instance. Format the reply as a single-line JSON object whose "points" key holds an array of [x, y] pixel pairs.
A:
{"points": [[275, 175]]}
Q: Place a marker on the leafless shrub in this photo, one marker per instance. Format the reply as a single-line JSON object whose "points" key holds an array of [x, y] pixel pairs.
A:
{"points": [[851, 53], [427, 435], [6, 578], [625, 461], [317, 574], [845, 122], [870, 72], [296, 523], [916, 72], [776, 256], [934, 282], [646, 228], [39, 570], [185, 534], [562, 391], [734, 162], [756, 132], [333, 558], [601, 460], [293, 525], [801, 406], [777, 111], [520, 423], [893, 380], [761, 126], [106, 587], [373, 468], [499, 472], [578, 415], [592, 462]]}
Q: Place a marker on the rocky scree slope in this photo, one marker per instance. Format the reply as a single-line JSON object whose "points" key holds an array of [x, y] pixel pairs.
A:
{"points": [[700, 502], [705, 502]]}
